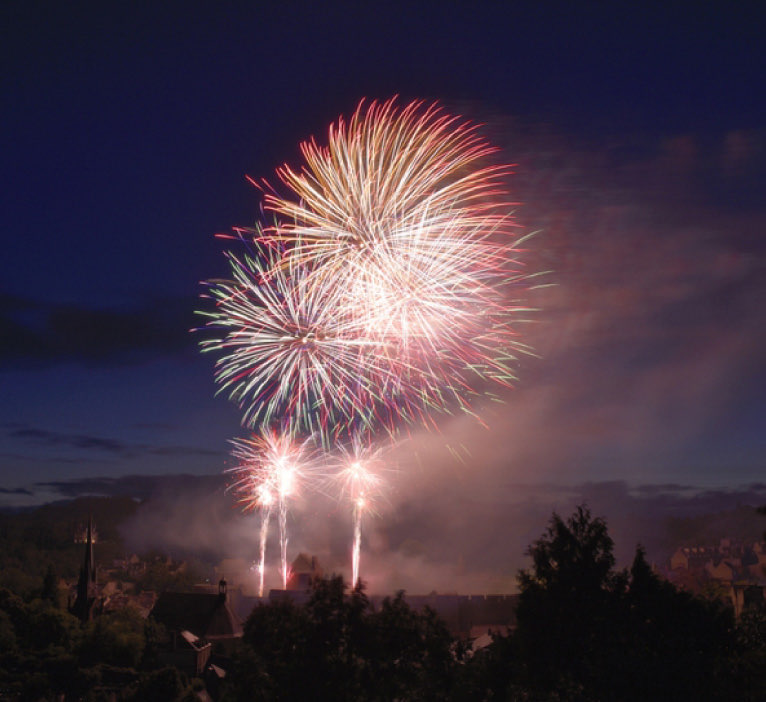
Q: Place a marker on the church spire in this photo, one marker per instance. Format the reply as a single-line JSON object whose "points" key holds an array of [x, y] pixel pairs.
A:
{"points": [[89, 566], [86, 584]]}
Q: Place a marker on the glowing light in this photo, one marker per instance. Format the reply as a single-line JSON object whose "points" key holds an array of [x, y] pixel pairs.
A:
{"points": [[360, 479]]}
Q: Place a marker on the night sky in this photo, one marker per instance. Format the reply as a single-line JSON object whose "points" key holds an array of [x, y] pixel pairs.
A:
{"points": [[640, 143]]}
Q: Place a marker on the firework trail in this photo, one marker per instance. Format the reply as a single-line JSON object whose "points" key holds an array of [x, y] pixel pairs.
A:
{"points": [[266, 502], [271, 469], [360, 480], [357, 545]]}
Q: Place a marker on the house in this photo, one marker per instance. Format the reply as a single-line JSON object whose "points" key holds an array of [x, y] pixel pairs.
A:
{"points": [[744, 597], [723, 570], [303, 570], [206, 618], [189, 653], [691, 558]]}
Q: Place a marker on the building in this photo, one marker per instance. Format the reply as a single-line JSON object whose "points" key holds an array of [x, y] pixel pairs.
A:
{"points": [[87, 601], [303, 570], [199, 625], [747, 597]]}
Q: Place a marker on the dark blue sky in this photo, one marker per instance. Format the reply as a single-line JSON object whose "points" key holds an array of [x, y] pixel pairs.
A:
{"points": [[640, 138]]}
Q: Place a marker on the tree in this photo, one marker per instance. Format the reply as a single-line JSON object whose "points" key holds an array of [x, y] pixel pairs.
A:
{"points": [[408, 654], [590, 632], [116, 638], [337, 646], [564, 616], [50, 585], [163, 685]]}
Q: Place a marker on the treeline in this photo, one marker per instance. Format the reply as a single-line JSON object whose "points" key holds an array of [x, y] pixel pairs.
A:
{"points": [[585, 631], [47, 654]]}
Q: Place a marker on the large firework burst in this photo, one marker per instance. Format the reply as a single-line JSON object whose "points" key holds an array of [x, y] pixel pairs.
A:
{"points": [[381, 292]]}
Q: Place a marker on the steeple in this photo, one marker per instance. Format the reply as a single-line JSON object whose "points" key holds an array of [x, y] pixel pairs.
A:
{"points": [[86, 584]]}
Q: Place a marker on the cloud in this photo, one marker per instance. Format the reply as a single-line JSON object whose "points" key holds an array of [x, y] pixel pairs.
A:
{"points": [[42, 437], [182, 451], [38, 334], [141, 487], [15, 491], [97, 444]]}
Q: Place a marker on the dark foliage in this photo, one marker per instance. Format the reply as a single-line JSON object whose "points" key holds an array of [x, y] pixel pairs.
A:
{"points": [[586, 631], [338, 647]]}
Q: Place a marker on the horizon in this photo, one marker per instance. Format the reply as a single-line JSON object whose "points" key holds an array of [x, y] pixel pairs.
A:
{"points": [[192, 517]]}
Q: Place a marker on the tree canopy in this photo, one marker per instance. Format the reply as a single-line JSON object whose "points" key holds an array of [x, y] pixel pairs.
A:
{"points": [[339, 647]]}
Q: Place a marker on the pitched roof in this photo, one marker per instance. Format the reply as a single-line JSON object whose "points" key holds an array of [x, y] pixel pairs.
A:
{"points": [[207, 616]]}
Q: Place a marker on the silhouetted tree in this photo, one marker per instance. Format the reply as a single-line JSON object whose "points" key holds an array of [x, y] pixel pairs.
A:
{"points": [[50, 585], [116, 638], [679, 645], [408, 654], [565, 614], [163, 685], [586, 631], [337, 647]]}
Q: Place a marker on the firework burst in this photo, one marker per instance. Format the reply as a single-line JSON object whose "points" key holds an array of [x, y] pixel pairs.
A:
{"points": [[360, 481], [292, 352], [391, 181], [382, 294]]}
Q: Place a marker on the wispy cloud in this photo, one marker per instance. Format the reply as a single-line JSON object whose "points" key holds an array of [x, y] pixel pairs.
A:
{"points": [[98, 445], [139, 486], [37, 333], [43, 437], [15, 491]]}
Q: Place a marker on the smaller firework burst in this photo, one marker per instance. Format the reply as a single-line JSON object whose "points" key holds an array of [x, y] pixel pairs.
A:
{"points": [[361, 482], [271, 470]]}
